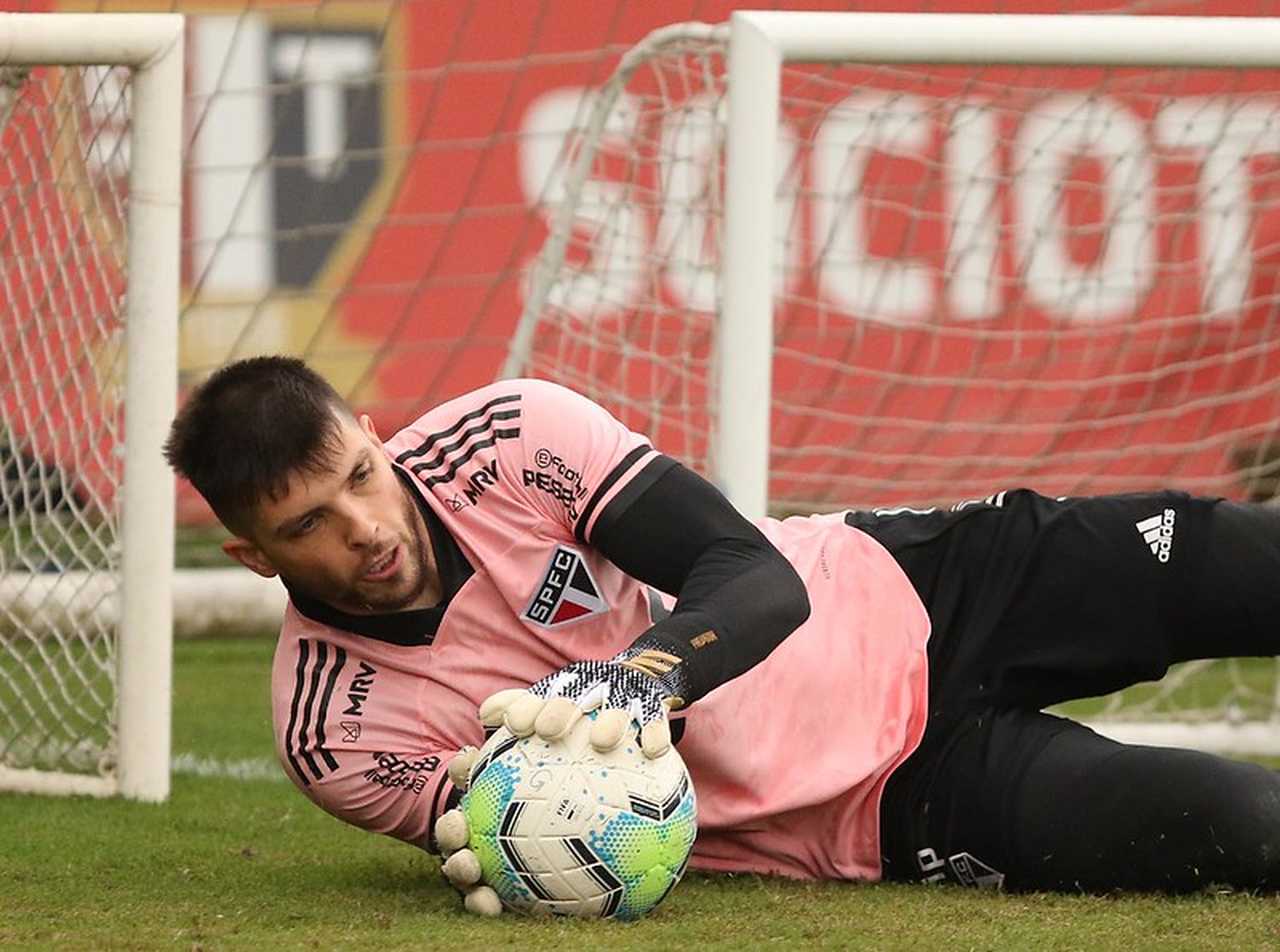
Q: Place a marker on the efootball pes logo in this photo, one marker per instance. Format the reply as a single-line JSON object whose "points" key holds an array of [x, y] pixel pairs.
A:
{"points": [[567, 591]]}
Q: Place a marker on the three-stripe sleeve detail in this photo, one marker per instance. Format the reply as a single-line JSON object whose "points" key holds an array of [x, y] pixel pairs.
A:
{"points": [[322, 716], [305, 739], [299, 675], [455, 463], [439, 456]]}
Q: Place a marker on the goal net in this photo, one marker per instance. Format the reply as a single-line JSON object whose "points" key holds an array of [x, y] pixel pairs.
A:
{"points": [[981, 277], [84, 394]]}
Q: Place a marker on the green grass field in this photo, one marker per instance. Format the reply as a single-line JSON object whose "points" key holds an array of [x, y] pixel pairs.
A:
{"points": [[250, 864]]}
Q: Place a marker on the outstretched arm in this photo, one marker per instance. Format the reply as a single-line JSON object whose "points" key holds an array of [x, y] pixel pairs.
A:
{"points": [[737, 598]]}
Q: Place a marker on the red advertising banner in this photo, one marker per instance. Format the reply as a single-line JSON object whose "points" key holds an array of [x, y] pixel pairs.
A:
{"points": [[1064, 278]]}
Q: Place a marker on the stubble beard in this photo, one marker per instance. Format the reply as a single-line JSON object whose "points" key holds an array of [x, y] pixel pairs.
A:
{"points": [[369, 598], [415, 566]]}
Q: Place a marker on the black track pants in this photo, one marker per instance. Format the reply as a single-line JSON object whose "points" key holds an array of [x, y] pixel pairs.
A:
{"points": [[1035, 601]]}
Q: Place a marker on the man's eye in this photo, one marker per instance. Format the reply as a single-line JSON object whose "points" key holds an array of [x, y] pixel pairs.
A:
{"points": [[305, 526], [361, 475]]}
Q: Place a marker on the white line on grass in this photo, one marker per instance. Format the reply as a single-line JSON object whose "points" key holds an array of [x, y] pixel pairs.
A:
{"points": [[254, 768]]}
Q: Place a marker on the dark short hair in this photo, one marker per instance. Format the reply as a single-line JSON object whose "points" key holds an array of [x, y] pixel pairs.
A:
{"points": [[249, 427]]}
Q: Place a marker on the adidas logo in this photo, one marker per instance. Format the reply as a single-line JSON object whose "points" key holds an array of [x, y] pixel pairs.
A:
{"points": [[1157, 532]]}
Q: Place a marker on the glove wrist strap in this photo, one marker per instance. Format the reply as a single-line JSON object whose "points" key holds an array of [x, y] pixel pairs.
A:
{"points": [[664, 660]]}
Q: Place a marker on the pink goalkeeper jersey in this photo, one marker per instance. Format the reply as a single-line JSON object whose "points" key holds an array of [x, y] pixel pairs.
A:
{"points": [[789, 760]]}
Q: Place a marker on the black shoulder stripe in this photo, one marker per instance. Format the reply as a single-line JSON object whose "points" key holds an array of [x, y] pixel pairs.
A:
{"points": [[484, 426], [432, 439], [652, 472], [606, 484], [457, 462], [299, 676], [340, 660], [627, 495]]}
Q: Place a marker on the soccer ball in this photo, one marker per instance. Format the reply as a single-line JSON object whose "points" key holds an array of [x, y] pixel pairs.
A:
{"points": [[559, 827]]}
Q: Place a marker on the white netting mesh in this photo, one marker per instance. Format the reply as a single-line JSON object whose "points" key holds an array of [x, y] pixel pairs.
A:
{"points": [[985, 278], [63, 171], [988, 277]]}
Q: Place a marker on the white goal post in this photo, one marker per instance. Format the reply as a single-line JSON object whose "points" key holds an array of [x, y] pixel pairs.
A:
{"points": [[150, 46]]}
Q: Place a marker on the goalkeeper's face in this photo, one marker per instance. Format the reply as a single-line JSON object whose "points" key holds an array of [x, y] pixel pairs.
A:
{"points": [[350, 536]]}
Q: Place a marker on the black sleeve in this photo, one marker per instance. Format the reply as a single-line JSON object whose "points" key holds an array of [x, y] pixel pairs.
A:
{"points": [[737, 598]]}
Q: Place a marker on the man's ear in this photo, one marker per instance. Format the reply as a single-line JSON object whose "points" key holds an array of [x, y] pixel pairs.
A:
{"points": [[366, 424], [250, 556]]}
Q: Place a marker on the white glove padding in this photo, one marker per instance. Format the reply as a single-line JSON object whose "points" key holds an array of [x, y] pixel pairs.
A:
{"points": [[461, 867], [624, 696]]}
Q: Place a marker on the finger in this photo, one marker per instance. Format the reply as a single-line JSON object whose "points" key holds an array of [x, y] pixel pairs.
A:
{"points": [[521, 714], [460, 766], [556, 718], [483, 901], [451, 832], [655, 738], [462, 869], [495, 706], [609, 728]]}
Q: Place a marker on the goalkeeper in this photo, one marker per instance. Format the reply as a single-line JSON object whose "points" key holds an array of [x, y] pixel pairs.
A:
{"points": [[857, 695]]}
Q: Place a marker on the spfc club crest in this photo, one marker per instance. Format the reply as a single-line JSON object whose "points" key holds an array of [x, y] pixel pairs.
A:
{"points": [[567, 591]]}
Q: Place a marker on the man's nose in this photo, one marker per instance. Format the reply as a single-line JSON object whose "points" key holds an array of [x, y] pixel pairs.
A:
{"points": [[362, 528]]}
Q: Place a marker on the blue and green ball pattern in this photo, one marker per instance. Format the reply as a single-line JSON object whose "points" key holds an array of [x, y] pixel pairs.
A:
{"points": [[629, 857], [649, 856]]}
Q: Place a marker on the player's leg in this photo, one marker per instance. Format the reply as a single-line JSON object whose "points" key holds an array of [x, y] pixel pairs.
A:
{"points": [[1114, 589], [1036, 600], [1144, 818], [1104, 596], [1030, 801], [1234, 609]]}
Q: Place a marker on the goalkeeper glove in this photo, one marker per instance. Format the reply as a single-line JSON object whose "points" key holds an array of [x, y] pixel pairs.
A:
{"points": [[461, 867], [635, 689]]}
